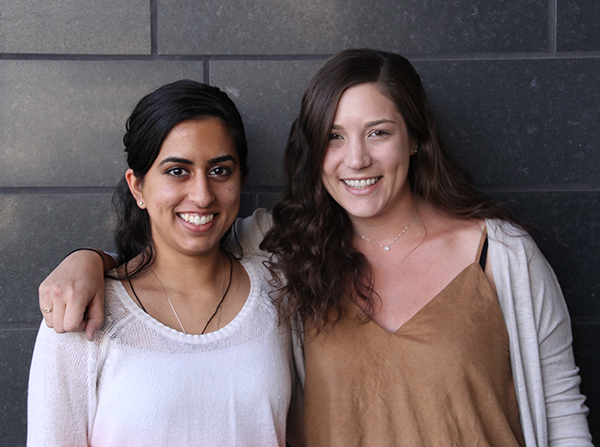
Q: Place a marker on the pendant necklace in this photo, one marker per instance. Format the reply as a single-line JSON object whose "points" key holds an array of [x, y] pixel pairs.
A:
{"points": [[387, 247], [173, 307]]}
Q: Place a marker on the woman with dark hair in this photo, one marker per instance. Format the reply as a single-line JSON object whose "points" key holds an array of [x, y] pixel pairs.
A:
{"points": [[430, 316], [191, 352]]}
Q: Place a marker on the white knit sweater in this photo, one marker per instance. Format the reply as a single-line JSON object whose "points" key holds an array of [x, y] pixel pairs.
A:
{"points": [[140, 383]]}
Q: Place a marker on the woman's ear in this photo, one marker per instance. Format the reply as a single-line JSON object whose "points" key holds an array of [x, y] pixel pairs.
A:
{"points": [[135, 186], [413, 147]]}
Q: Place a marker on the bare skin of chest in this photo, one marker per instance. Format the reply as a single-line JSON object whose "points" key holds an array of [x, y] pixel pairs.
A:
{"points": [[410, 276]]}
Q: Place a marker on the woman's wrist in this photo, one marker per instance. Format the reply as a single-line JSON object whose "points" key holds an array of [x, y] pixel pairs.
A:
{"points": [[108, 260]]}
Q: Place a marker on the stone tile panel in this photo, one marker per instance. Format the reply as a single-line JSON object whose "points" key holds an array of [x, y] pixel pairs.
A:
{"points": [[62, 122], [325, 27], [578, 25], [16, 348], [268, 95], [81, 27], [519, 121], [36, 232]]}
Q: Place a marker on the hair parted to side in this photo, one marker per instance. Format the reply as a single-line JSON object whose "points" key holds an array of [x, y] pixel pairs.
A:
{"points": [[315, 267], [152, 119]]}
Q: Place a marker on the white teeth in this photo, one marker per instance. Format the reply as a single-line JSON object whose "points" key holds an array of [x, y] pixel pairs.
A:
{"points": [[361, 184], [196, 219]]}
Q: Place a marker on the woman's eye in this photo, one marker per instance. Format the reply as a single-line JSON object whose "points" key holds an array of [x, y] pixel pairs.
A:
{"points": [[378, 133], [335, 136], [220, 171], [176, 172]]}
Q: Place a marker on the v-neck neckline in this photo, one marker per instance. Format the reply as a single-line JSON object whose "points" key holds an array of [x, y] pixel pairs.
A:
{"points": [[436, 297]]}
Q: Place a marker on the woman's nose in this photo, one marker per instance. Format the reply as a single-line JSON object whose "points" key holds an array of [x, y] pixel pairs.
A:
{"points": [[358, 156], [200, 191]]}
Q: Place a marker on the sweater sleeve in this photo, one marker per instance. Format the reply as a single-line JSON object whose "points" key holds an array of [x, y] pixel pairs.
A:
{"points": [[59, 407], [546, 378]]}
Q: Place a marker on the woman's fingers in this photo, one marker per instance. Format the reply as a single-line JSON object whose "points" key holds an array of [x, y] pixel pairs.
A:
{"points": [[95, 316], [77, 282]]}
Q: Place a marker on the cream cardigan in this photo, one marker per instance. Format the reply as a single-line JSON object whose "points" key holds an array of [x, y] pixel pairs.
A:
{"points": [[546, 379]]}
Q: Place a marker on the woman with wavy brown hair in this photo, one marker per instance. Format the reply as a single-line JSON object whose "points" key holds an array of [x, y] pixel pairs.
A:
{"points": [[309, 217], [430, 316], [415, 332]]}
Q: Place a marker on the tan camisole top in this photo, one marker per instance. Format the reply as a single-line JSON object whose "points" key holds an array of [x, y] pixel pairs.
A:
{"points": [[443, 379]]}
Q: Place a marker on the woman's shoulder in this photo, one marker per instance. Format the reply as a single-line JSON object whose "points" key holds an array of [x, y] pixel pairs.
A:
{"points": [[250, 231], [258, 273], [510, 237], [514, 247], [453, 230], [504, 229], [113, 287], [118, 305]]}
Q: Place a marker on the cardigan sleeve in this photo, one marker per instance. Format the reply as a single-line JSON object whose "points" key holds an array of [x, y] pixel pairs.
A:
{"points": [[295, 421], [565, 410], [546, 378], [58, 409], [250, 232]]}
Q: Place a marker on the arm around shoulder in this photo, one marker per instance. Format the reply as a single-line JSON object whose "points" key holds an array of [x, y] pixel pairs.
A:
{"points": [[76, 284]]}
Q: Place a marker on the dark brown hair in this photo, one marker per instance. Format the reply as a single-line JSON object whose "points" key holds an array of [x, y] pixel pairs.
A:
{"points": [[314, 264]]}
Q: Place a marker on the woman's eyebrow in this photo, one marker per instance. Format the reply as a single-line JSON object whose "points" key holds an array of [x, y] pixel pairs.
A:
{"points": [[183, 161], [369, 124], [377, 122], [221, 159]]}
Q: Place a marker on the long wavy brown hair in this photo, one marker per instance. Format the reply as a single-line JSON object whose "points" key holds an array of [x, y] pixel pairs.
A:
{"points": [[315, 267]]}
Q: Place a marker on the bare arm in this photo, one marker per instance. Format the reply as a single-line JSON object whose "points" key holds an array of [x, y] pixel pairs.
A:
{"points": [[74, 293]]}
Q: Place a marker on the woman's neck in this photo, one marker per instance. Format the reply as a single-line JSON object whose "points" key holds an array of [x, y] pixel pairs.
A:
{"points": [[385, 228], [183, 273]]}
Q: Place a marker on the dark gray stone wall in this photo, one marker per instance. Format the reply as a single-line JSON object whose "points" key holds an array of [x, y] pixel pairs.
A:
{"points": [[515, 87]]}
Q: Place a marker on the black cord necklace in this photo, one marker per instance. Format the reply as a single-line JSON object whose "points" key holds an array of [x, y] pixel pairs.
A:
{"points": [[171, 304]]}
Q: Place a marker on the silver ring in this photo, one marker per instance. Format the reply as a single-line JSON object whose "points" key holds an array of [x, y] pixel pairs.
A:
{"points": [[46, 310]]}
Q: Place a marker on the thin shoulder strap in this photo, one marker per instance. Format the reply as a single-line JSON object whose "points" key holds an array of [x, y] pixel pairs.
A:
{"points": [[483, 256]]}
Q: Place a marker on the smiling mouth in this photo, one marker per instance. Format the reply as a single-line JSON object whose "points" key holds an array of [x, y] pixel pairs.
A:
{"points": [[361, 184], [197, 219]]}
